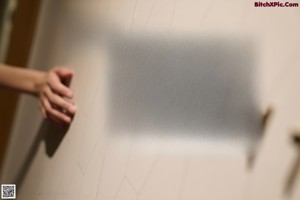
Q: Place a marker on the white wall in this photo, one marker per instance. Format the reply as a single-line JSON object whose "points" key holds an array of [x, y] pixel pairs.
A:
{"points": [[90, 162]]}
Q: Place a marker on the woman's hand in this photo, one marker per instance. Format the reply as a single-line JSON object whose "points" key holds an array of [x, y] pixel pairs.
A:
{"points": [[52, 88], [56, 97]]}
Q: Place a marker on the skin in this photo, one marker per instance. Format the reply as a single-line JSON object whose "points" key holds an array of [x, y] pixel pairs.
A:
{"points": [[52, 89]]}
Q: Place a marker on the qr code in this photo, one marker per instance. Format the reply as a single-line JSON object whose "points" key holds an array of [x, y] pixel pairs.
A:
{"points": [[8, 191]]}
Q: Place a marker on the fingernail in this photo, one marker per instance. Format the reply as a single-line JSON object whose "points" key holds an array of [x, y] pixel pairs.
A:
{"points": [[67, 119], [72, 109], [70, 94]]}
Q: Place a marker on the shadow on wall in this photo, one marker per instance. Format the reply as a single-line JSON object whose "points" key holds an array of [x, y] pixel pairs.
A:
{"points": [[52, 136]]}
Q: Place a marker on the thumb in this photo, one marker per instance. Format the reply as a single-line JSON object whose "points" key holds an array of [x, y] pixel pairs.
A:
{"points": [[64, 74]]}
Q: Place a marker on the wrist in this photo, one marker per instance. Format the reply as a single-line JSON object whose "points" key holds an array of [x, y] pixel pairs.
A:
{"points": [[39, 81]]}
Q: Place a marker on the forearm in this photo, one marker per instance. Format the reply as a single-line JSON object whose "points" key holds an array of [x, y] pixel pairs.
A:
{"points": [[24, 80]]}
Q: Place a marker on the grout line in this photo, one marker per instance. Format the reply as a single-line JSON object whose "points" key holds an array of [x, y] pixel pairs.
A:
{"points": [[150, 14], [183, 178], [131, 185], [84, 114], [148, 175], [81, 170], [173, 14], [133, 15], [93, 149], [125, 171], [81, 182], [119, 188], [101, 171], [82, 132]]}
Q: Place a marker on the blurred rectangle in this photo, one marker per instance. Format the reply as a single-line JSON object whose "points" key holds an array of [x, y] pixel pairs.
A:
{"points": [[182, 86]]}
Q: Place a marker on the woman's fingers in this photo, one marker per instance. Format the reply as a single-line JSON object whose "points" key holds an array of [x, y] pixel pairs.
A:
{"points": [[53, 113], [58, 101], [58, 87], [56, 97]]}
